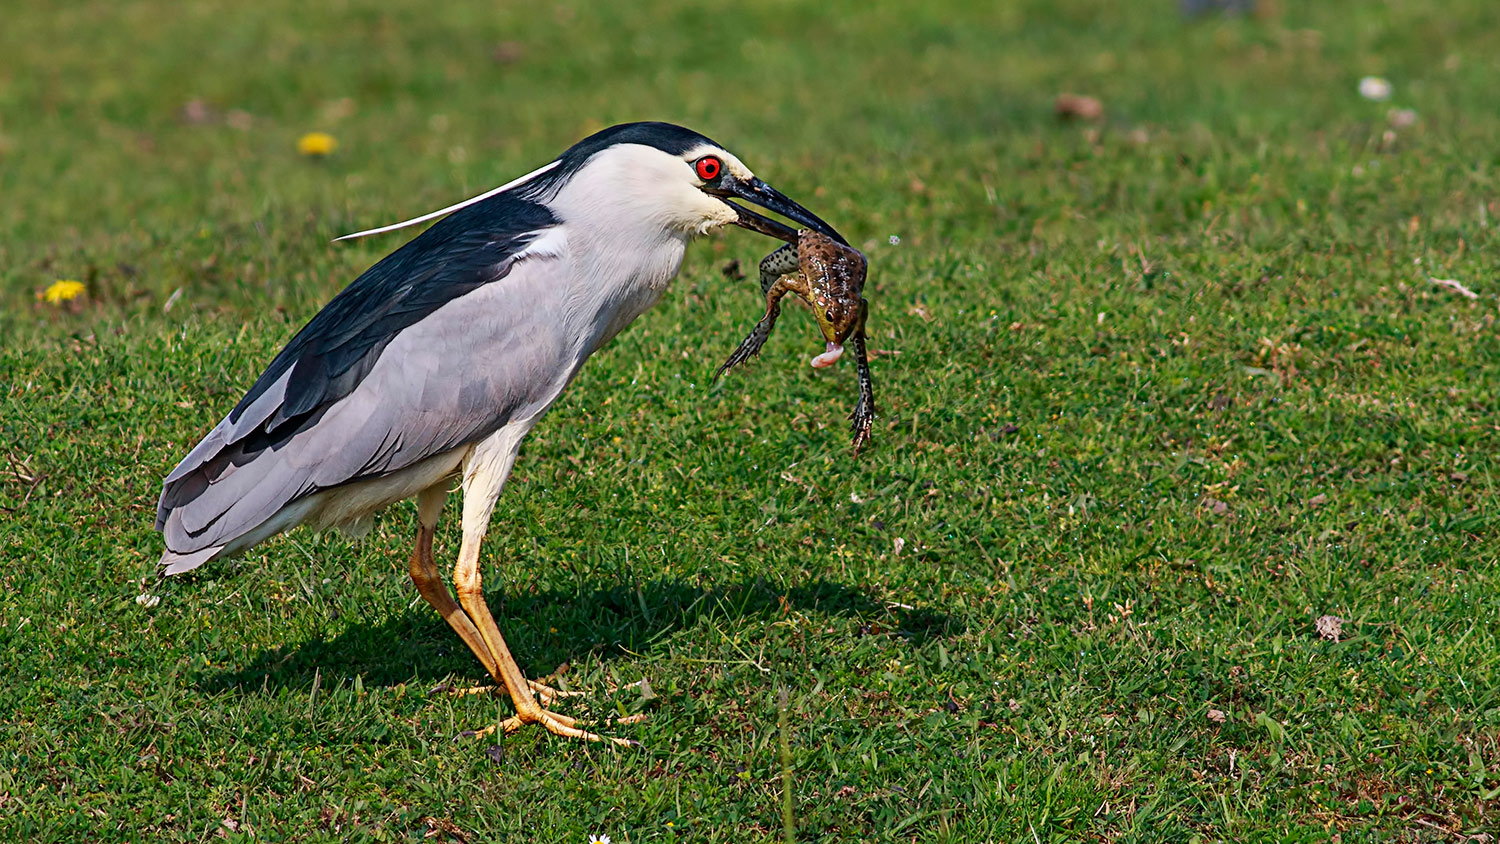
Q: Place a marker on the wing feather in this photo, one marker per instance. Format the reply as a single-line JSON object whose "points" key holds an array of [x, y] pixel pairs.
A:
{"points": [[377, 380]]}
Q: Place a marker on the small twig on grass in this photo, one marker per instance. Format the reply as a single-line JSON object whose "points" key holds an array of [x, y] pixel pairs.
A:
{"points": [[1444, 830], [1455, 286]]}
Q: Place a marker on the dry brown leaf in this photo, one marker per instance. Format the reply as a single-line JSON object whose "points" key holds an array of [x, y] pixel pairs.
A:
{"points": [[1329, 627]]}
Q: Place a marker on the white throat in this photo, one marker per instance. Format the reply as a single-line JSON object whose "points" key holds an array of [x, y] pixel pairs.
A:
{"points": [[628, 215]]}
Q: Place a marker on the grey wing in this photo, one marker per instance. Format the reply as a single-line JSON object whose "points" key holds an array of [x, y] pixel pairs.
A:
{"points": [[452, 378]]}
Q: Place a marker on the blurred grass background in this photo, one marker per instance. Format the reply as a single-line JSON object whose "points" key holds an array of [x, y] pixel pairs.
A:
{"points": [[1158, 391]]}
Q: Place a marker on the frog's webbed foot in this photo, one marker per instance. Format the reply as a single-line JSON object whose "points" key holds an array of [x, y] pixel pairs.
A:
{"points": [[751, 345], [863, 417], [783, 261]]}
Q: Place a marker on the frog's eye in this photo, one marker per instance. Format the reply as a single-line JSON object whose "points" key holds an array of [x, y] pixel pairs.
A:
{"points": [[708, 167]]}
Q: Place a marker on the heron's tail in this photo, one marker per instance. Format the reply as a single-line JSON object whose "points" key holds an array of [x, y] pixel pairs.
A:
{"points": [[175, 563]]}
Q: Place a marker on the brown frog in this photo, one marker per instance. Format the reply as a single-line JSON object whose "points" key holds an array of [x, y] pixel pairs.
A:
{"points": [[829, 276]]}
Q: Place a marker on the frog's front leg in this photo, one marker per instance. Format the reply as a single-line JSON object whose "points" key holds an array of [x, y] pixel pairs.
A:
{"points": [[777, 264], [751, 345], [863, 417]]}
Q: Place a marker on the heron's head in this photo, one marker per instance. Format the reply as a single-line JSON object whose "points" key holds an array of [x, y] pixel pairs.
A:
{"points": [[674, 178]]}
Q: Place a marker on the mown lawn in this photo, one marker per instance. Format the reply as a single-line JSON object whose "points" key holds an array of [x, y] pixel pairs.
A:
{"points": [[1157, 392]]}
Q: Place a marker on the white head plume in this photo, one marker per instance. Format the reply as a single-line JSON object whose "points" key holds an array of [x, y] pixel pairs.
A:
{"points": [[451, 208]]}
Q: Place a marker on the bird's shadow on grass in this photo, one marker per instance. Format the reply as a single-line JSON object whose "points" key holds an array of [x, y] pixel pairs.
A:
{"points": [[551, 628]]}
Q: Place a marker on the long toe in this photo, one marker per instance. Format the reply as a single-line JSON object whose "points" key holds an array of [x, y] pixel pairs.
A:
{"points": [[546, 694], [562, 725], [464, 691]]}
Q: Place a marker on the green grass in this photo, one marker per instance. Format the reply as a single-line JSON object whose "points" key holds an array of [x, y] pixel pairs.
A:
{"points": [[1007, 621]]}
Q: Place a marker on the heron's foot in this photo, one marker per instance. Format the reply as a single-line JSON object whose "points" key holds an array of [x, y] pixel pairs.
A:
{"points": [[546, 694], [463, 691], [561, 725]]}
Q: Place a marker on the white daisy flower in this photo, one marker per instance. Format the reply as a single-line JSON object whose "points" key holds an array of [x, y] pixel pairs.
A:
{"points": [[1374, 88]]}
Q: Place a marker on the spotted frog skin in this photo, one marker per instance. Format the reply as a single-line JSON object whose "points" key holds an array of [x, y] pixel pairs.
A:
{"points": [[829, 277]]}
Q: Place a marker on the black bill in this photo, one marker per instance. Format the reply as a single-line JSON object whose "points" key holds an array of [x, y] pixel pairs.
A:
{"points": [[771, 199]]}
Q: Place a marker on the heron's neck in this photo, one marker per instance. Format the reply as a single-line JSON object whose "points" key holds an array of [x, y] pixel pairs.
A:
{"points": [[617, 278]]}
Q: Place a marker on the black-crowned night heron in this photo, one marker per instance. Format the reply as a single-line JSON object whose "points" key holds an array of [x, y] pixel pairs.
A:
{"points": [[436, 362]]}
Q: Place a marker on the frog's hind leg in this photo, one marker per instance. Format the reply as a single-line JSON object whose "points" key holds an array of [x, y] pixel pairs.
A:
{"points": [[863, 417], [773, 267], [751, 345], [777, 264]]}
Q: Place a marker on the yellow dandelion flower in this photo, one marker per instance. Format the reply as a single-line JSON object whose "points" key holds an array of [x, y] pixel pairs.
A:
{"points": [[63, 290], [317, 144]]}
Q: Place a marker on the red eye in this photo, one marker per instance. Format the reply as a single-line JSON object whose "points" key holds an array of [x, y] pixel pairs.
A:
{"points": [[708, 168]]}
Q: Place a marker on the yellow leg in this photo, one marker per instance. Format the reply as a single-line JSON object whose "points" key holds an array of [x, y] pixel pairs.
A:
{"points": [[485, 471], [424, 573]]}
